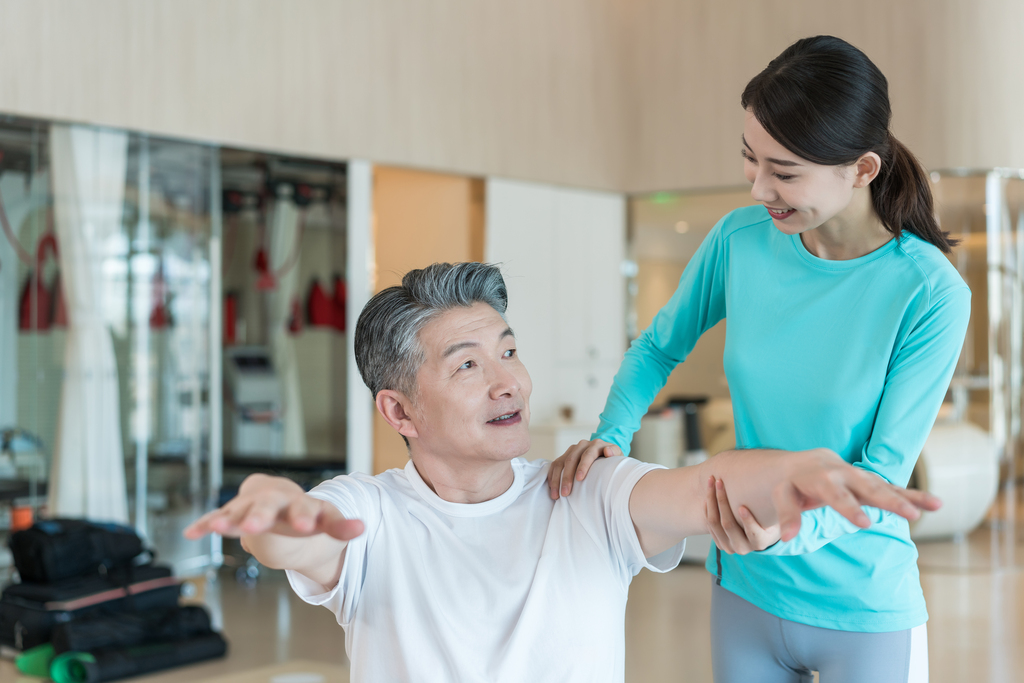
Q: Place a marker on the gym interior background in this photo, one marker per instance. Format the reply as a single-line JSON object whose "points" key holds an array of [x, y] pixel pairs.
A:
{"points": [[257, 169]]}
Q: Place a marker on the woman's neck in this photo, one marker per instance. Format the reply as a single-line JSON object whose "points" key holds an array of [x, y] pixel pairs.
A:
{"points": [[854, 232]]}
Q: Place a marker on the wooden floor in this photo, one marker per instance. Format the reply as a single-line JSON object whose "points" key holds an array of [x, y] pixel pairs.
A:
{"points": [[974, 589]]}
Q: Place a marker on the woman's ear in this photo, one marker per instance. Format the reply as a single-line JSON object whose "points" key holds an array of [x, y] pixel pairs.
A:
{"points": [[866, 169], [396, 409]]}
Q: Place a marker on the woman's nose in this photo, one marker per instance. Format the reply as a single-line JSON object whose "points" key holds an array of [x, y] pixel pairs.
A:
{"points": [[761, 190]]}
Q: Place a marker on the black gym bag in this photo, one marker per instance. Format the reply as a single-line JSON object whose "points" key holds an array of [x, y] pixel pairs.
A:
{"points": [[56, 549], [29, 611]]}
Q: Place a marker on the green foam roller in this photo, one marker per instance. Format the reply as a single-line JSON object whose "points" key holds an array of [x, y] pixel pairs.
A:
{"points": [[71, 667], [36, 661]]}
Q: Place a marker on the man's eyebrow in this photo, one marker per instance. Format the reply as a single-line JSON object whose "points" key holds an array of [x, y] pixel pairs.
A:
{"points": [[458, 346], [777, 162], [454, 348]]}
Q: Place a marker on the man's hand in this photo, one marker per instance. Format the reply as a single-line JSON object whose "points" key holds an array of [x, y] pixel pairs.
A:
{"points": [[274, 505], [775, 487], [284, 528], [574, 464], [731, 535], [819, 477]]}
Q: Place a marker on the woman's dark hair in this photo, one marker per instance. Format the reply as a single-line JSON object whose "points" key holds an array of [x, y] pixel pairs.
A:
{"points": [[825, 101]]}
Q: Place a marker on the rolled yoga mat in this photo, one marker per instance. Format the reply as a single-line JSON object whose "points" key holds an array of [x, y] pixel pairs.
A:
{"points": [[112, 664], [131, 628]]}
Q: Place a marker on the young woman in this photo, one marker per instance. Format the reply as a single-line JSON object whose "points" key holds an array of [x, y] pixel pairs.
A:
{"points": [[845, 321]]}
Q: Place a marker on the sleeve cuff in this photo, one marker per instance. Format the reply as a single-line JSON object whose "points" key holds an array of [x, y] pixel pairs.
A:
{"points": [[308, 590], [668, 560]]}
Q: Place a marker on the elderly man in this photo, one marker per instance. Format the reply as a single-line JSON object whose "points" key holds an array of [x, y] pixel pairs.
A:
{"points": [[461, 566]]}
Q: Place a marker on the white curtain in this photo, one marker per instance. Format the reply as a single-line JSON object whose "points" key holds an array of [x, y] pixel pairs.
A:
{"points": [[87, 478], [283, 247]]}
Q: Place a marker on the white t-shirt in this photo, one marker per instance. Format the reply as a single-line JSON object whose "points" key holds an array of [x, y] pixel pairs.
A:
{"points": [[518, 588]]}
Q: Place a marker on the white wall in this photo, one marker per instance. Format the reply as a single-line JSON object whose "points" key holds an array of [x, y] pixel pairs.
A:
{"points": [[529, 88], [953, 67], [561, 252], [358, 270], [623, 96]]}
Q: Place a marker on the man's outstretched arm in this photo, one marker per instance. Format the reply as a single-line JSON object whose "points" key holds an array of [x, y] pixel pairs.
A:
{"points": [[775, 486], [283, 528]]}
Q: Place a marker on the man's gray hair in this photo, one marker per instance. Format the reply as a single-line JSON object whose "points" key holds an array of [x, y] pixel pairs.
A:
{"points": [[388, 351]]}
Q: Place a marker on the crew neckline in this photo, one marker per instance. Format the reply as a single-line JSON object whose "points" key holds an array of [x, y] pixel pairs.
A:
{"points": [[840, 265], [488, 507]]}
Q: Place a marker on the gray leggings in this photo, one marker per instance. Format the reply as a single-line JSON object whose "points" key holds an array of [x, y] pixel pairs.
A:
{"points": [[749, 644]]}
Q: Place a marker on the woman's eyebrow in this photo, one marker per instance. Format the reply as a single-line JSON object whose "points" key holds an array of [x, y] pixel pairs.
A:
{"points": [[777, 162]]}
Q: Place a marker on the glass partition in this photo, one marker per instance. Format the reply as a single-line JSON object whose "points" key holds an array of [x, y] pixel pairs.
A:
{"points": [[109, 315], [985, 211], [285, 301], [164, 295], [31, 342], [133, 355]]}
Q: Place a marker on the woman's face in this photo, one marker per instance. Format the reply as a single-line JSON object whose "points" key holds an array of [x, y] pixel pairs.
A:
{"points": [[799, 195]]}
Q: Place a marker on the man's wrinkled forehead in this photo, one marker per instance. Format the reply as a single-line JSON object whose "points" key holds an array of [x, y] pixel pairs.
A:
{"points": [[471, 344], [463, 328]]}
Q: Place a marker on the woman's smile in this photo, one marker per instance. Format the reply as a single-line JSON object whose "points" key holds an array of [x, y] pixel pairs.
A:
{"points": [[780, 214]]}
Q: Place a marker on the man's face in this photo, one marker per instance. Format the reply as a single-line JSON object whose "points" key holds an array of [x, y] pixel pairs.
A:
{"points": [[472, 396]]}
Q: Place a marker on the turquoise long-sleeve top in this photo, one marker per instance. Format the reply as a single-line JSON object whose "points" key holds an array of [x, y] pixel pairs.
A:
{"points": [[855, 356]]}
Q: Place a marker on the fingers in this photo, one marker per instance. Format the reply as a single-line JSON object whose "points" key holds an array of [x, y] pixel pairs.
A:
{"points": [[737, 534], [563, 469], [221, 521], [908, 503], [923, 499], [202, 526], [555, 476], [287, 515], [330, 521], [887, 497], [787, 505], [759, 537], [571, 466], [713, 518], [597, 449], [740, 533], [835, 486], [574, 465]]}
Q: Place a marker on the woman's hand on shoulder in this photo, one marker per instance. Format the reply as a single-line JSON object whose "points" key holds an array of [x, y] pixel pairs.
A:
{"points": [[574, 464]]}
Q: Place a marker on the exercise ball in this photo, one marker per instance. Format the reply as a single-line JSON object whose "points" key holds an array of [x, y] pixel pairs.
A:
{"points": [[960, 465]]}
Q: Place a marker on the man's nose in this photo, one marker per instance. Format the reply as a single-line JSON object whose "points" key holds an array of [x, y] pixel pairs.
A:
{"points": [[503, 382]]}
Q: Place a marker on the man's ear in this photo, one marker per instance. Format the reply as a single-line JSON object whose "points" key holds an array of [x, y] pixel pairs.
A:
{"points": [[395, 407], [866, 169]]}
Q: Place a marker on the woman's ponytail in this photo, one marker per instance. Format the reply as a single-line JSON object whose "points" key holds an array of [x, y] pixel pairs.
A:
{"points": [[902, 197]]}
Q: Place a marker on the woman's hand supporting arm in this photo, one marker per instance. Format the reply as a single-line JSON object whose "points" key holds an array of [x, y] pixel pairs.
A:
{"points": [[775, 486], [915, 385]]}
